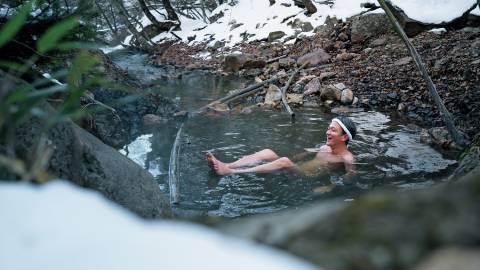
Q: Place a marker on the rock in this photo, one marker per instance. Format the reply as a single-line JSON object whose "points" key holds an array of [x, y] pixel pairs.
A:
{"points": [[304, 51], [247, 110], [473, 20], [297, 24], [307, 27], [275, 66], [469, 165], [84, 160], [345, 110], [256, 63], [343, 37], [331, 93], [340, 86], [338, 58], [254, 72], [403, 61], [329, 102], [346, 56], [218, 45], [221, 109], [442, 136], [369, 24], [150, 119], [382, 230], [274, 94], [331, 21], [286, 63], [191, 66], [326, 75], [305, 79], [476, 62], [320, 29], [378, 42], [236, 61], [235, 25], [355, 100], [468, 31], [393, 95], [451, 258], [180, 116], [401, 107], [412, 26], [275, 35], [318, 57], [295, 98], [281, 74], [475, 45], [214, 18], [367, 50], [347, 97], [258, 80]]}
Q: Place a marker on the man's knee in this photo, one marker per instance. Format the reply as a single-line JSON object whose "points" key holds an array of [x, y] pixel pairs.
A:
{"points": [[268, 154], [285, 162]]}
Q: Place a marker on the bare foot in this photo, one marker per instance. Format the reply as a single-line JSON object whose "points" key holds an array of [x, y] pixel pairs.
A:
{"points": [[219, 167], [210, 161]]}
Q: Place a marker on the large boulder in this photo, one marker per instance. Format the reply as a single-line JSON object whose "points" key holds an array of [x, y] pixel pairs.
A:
{"points": [[318, 57], [256, 63], [84, 160], [331, 92], [236, 61], [274, 94], [275, 35], [469, 166], [314, 86], [411, 14], [286, 63], [383, 230], [369, 24]]}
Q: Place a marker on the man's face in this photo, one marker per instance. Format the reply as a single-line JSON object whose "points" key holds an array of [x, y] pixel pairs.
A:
{"points": [[334, 134]]}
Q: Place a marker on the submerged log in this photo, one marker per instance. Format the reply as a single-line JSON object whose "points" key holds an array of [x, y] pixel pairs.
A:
{"points": [[173, 172]]}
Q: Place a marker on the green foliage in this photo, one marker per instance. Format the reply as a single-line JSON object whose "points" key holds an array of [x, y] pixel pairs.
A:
{"points": [[24, 103]]}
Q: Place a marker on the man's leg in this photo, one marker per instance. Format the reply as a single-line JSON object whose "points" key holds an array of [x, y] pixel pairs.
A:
{"points": [[264, 155], [224, 168]]}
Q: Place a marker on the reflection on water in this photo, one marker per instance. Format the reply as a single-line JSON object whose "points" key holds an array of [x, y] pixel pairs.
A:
{"points": [[386, 157]]}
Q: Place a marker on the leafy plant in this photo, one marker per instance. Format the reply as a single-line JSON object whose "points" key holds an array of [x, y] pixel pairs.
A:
{"points": [[16, 107]]}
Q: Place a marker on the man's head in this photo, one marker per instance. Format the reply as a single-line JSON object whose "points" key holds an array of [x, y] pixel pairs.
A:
{"points": [[341, 129]]}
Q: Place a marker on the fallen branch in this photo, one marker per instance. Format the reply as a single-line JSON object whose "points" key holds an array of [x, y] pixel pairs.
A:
{"points": [[431, 87], [284, 99], [173, 172], [243, 95], [275, 59]]}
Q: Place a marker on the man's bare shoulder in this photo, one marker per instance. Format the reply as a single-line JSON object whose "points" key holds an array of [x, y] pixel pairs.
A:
{"points": [[350, 158], [325, 148]]}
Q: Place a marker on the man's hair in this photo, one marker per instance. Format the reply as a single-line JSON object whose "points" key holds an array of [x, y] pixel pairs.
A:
{"points": [[350, 125]]}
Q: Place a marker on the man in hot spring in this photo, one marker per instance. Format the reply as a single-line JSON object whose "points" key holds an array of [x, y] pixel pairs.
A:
{"points": [[332, 156]]}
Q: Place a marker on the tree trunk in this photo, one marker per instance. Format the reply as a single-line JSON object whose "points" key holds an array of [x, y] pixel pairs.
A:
{"points": [[162, 26], [170, 11], [310, 7], [202, 7], [118, 4]]}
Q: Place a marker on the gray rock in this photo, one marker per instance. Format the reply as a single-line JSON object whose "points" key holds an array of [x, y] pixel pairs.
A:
{"points": [[150, 119], [236, 25], [473, 20], [469, 165], [378, 42], [254, 72], [84, 160], [451, 258], [468, 31], [442, 136], [326, 75], [304, 51], [274, 94], [331, 93], [403, 61], [294, 98], [275, 35], [314, 86], [214, 18], [331, 21], [180, 116], [347, 97], [413, 27], [286, 62], [320, 29], [318, 57], [256, 63], [297, 24], [343, 36], [340, 86], [346, 56], [383, 230], [275, 66], [218, 45], [236, 61], [345, 110], [369, 24], [307, 27]]}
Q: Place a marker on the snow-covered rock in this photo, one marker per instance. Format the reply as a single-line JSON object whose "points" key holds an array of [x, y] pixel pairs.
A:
{"points": [[60, 226]]}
